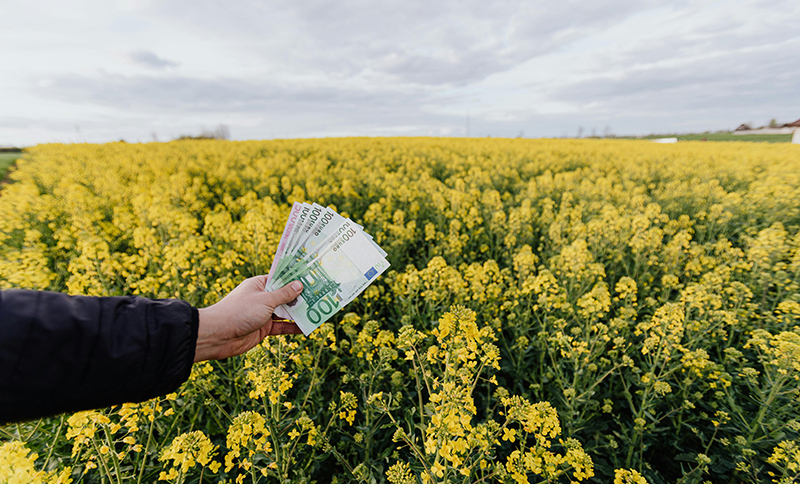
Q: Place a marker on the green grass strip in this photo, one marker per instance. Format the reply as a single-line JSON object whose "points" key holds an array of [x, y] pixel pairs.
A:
{"points": [[6, 161], [764, 138]]}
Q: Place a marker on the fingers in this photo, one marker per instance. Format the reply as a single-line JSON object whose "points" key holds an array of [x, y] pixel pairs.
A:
{"points": [[281, 327], [260, 281], [284, 295]]}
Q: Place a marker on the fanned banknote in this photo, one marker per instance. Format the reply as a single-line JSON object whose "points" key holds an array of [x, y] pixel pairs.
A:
{"points": [[331, 255]]}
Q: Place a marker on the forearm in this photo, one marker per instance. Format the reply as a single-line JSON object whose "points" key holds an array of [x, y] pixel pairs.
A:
{"points": [[63, 353]]}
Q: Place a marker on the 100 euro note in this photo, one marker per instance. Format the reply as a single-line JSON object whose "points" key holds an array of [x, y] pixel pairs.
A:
{"points": [[334, 274], [320, 224]]}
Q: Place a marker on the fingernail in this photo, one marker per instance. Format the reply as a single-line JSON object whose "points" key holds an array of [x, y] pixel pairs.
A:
{"points": [[297, 286]]}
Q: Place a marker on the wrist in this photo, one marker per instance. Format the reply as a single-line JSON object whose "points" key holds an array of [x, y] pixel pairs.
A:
{"points": [[205, 348]]}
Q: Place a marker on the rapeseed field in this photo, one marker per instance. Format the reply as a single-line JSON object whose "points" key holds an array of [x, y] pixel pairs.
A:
{"points": [[559, 310]]}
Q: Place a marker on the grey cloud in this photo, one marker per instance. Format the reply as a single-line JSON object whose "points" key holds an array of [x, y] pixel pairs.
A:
{"points": [[149, 59], [252, 110], [728, 74], [724, 66], [129, 25], [16, 122], [428, 43], [186, 95]]}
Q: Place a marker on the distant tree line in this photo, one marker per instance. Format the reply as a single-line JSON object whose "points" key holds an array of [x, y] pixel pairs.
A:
{"points": [[221, 132]]}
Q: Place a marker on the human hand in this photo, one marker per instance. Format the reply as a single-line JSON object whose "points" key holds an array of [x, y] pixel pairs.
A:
{"points": [[242, 319]]}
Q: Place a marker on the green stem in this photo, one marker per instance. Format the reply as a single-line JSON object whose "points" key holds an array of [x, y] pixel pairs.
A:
{"points": [[317, 359], [411, 445], [146, 446], [419, 395], [35, 428], [113, 452], [53, 444], [774, 389], [218, 405], [100, 458], [711, 441]]}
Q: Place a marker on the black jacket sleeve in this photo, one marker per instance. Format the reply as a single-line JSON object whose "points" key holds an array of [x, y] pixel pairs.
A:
{"points": [[61, 353]]}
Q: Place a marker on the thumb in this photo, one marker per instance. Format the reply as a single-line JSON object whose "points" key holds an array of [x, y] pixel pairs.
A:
{"points": [[286, 294]]}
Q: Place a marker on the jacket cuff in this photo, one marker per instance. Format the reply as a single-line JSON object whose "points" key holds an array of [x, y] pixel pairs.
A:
{"points": [[170, 349], [194, 327], [187, 358]]}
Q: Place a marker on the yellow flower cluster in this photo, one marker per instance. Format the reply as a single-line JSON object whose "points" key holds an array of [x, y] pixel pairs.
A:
{"points": [[104, 439], [83, 427], [370, 340], [400, 473], [186, 451], [248, 431], [266, 370], [347, 407], [540, 420], [17, 466], [786, 457], [628, 476], [780, 352]]}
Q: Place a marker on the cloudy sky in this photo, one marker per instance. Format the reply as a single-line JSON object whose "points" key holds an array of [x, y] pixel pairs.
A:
{"points": [[101, 70]]}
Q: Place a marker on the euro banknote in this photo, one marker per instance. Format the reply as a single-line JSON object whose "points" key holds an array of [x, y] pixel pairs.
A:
{"points": [[334, 258]]}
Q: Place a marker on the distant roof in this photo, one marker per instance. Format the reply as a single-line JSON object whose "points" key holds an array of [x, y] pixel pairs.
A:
{"points": [[795, 124], [743, 127]]}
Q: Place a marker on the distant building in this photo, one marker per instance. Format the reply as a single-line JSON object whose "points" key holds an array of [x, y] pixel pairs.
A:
{"points": [[796, 135], [788, 128]]}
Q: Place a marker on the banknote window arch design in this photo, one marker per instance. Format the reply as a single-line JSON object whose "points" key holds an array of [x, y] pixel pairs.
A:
{"points": [[317, 284]]}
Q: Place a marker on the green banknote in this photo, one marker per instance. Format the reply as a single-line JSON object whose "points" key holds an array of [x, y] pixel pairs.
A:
{"points": [[334, 273]]}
